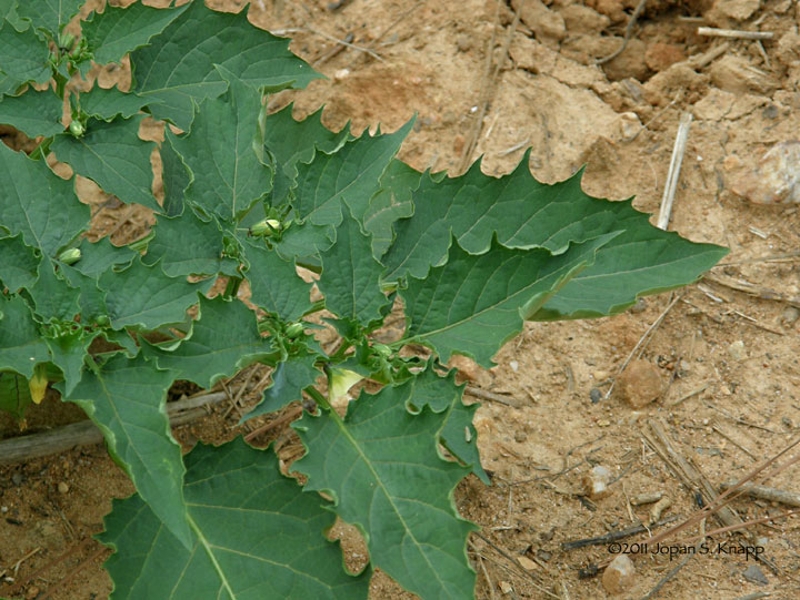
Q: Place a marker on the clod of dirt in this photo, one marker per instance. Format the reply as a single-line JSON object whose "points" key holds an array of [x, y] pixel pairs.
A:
{"points": [[737, 75], [582, 19], [619, 575], [775, 179], [546, 24], [660, 56], [640, 384], [738, 10], [595, 483]]}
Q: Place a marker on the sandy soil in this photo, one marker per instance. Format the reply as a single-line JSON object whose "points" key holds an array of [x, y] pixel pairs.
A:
{"points": [[721, 356]]}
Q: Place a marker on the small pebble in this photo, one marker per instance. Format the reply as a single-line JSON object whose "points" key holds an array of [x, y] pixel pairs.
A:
{"points": [[737, 351], [640, 383], [505, 587], [595, 395], [755, 575], [647, 498], [619, 575], [775, 180], [790, 315], [63, 487], [526, 563], [595, 483]]}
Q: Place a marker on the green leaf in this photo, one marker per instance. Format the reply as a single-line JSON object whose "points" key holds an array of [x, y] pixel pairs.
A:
{"points": [[40, 205], [176, 178], [25, 58], [223, 340], [390, 203], [21, 343], [525, 213], [117, 31], [291, 142], [231, 491], [68, 353], [34, 113], [381, 466], [187, 245], [474, 304], [126, 400], [8, 12], [352, 174], [102, 256], [228, 175], [50, 15], [351, 277], [106, 105], [289, 379], [274, 283], [643, 261], [15, 394], [53, 297], [443, 396], [144, 297], [177, 70], [19, 267], [112, 155]]}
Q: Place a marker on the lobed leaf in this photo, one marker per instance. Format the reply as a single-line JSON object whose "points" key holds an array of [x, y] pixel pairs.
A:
{"points": [[228, 175], [38, 204], [525, 213], [473, 304], [25, 58], [188, 245], [223, 340], [106, 105], [274, 283], [144, 297], [255, 536], [21, 343], [19, 267], [49, 15], [290, 143], [176, 71], [112, 155], [351, 277], [117, 31], [381, 466], [126, 399], [34, 113]]}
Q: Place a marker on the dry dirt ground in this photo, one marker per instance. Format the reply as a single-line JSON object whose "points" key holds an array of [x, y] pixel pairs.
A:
{"points": [[722, 353]]}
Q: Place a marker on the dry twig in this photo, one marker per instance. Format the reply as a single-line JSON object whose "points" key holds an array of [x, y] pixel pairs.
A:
{"points": [[86, 433], [735, 33], [628, 32]]}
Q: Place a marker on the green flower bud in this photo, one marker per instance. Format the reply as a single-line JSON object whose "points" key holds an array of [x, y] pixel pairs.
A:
{"points": [[293, 330], [76, 128], [66, 40], [70, 257], [266, 227]]}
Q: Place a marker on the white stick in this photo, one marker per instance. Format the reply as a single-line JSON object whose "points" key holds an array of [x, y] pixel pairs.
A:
{"points": [[735, 33], [674, 171]]}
